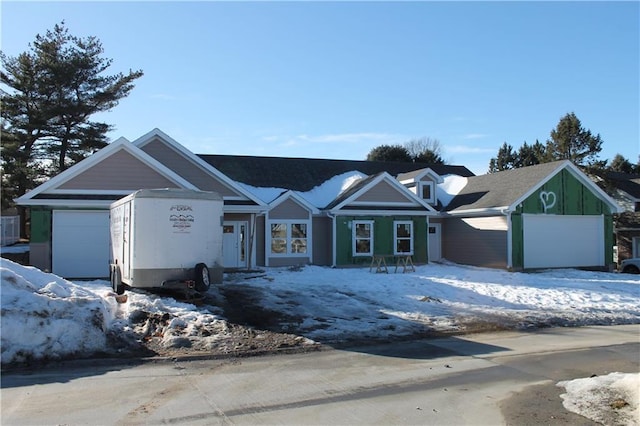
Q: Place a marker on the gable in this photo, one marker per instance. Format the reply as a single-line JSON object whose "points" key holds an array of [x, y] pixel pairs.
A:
{"points": [[120, 171], [159, 150], [564, 194], [289, 209], [382, 193]]}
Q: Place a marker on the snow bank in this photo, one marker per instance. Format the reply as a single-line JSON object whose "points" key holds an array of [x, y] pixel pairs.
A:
{"points": [[610, 400], [45, 316]]}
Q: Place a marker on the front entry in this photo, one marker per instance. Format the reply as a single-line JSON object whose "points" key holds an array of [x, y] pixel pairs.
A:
{"points": [[234, 244], [435, 242]]}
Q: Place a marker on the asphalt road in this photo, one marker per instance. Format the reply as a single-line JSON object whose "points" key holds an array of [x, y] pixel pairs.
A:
{"points": [[484, 379]]}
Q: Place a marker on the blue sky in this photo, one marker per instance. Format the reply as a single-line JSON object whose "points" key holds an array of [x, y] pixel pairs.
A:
{"points": [[336, 79]]}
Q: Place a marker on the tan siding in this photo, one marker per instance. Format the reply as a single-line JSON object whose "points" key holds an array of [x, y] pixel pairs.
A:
{"points": [[289, 209], [427, 178], [120, 171], [476, 241], [322, 241], [187, 169], [383, 192]]}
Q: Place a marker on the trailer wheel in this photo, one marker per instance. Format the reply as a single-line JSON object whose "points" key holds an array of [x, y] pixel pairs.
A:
{"points": [[116, 280], [202, 277]]}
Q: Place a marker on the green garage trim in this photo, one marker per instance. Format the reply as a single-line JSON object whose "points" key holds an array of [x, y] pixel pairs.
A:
{"points": [[570, 197]]}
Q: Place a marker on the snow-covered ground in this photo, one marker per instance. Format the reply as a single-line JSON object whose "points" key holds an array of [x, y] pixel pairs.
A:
{"points": [[47, 317]]}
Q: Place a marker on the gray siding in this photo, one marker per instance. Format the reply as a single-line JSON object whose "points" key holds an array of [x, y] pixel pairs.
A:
{"points": [[322, 241], [260, 241], [186, 168], [288, 261], [120, 171], [476, 241], [289, 209], [383, 192], [40, 256]]}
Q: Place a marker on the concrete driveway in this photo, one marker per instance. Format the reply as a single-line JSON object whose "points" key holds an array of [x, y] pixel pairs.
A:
{"points": [[492, 378]]}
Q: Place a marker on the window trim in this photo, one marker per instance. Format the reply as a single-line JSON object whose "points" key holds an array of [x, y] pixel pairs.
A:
{"points": [[431, 185], [395, 237], [288, 238], [353, 237]]}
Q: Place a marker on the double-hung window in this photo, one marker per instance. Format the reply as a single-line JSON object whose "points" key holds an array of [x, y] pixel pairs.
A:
{"points": [[288, 237], [362, 237], [403, 237]]}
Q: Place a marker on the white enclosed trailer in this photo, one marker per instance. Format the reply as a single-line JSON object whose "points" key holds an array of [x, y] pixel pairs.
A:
{"points": [[166, 238]]}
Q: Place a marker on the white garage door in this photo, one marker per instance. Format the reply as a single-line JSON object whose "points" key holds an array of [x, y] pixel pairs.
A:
{"points": [[80, 246], [563, 241]]}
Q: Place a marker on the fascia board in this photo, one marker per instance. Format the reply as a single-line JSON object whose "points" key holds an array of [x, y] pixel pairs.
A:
{"points": [[84, 192], [72, 203], [244, 209], [380, 213], [493, 211], [208, 168]]}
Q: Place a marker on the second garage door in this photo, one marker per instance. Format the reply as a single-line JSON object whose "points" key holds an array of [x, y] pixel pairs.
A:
{"points": [[80, 246], [552, 241]]}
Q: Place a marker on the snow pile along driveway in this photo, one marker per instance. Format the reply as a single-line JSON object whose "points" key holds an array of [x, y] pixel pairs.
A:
{"points": [[47, 317], [44, 315]]}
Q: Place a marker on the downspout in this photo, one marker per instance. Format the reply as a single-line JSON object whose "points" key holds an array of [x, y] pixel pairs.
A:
{"points": [[507, 212], [333, 239], [252, 239]]}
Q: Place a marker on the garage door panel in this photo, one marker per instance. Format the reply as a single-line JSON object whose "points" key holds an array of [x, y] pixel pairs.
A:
{"points": [[80, 245], [553, 241]]}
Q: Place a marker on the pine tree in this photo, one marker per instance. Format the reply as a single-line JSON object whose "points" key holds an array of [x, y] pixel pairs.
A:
{"points": [[505, 160], [570, 141]]}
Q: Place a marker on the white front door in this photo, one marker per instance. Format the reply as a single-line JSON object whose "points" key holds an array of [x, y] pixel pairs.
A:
{"points": [[435, 242], [234, 244]]}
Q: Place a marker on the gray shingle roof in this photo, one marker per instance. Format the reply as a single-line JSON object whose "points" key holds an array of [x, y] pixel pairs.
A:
{"points": [[500, 189], [304, 174], [625, 182]]}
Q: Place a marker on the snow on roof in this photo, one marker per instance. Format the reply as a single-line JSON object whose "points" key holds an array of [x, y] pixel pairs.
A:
{"points": [[323, 194], [320, 196], [449, 188]]}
